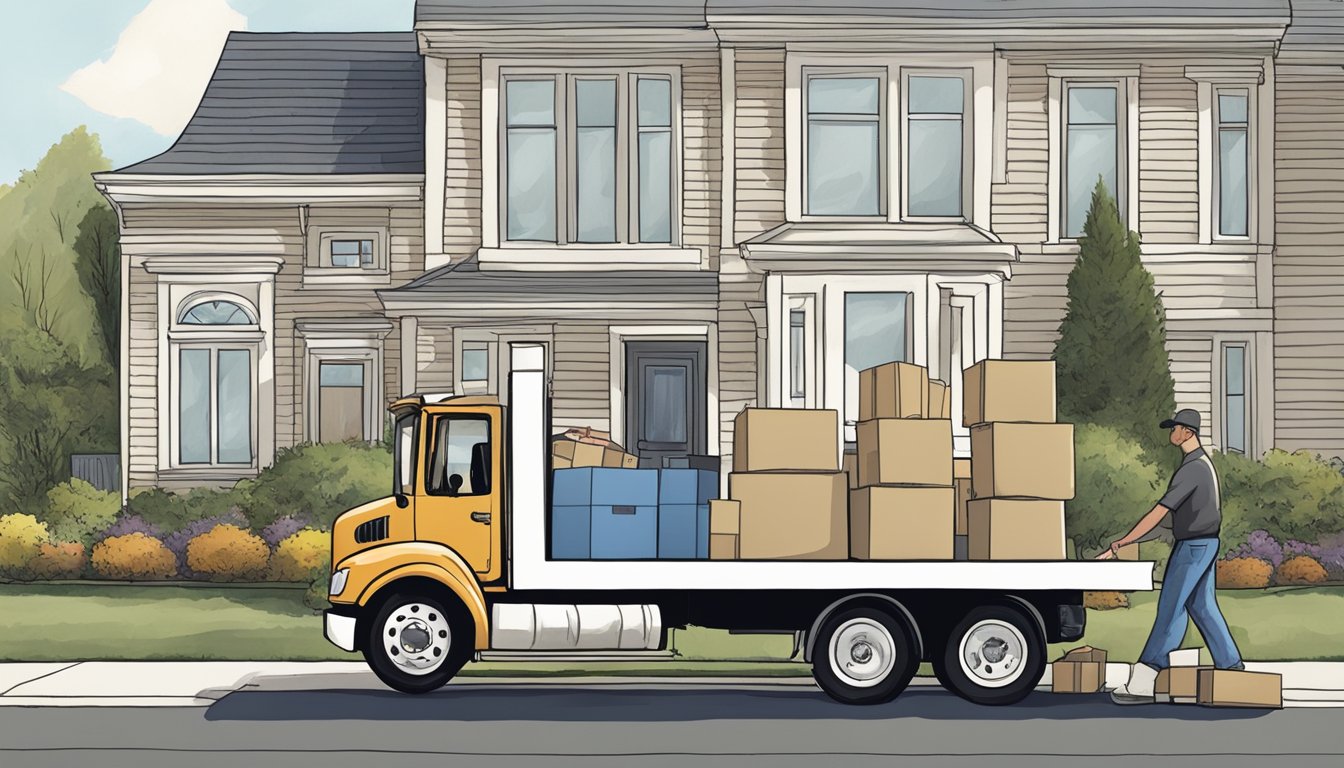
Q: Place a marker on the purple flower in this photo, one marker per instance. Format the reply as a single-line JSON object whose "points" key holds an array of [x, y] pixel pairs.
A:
{"points": [[1261, 545], [125, 525], [282, 529], [178, 541]]}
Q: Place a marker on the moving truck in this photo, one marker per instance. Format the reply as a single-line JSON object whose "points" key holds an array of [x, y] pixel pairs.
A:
{"points": [[455, 563]]}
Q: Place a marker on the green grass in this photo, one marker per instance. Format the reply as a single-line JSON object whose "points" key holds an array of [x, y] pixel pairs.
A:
{"points": [[90, 621]]}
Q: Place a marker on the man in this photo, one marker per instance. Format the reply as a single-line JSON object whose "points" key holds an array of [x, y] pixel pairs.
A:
{"points": [[1192, 501]]}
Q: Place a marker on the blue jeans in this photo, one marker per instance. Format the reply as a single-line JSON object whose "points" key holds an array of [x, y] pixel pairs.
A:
{"points": [[1188, 592]]}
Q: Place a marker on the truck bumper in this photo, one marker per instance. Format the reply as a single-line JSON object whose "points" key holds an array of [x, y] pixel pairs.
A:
{"points": [[339, 630]]}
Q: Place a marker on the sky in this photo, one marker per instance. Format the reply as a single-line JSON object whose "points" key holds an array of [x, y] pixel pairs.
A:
{"points": [[134, 70]]}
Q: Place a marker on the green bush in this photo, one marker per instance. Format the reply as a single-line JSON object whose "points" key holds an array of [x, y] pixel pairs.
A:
{"points": [[21, 540], [1289, 495], [315, 596], [1115, 487], [316, 482], [76, 511], [171, 512]]}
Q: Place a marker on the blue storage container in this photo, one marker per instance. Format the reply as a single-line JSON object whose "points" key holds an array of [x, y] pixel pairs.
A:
{"points": [[687, 486], [605, 486], [677, 527], [702, 531], [624, 532], [571, 532]]}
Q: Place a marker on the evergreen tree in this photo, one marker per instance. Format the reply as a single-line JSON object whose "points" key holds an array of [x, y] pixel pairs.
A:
{"points": [[1111, 354], [98, 264]]}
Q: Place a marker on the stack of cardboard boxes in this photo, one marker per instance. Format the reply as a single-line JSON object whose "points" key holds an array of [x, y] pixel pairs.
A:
{"points": [[904, 505], [586, 447], [1021, 461], [1184, 681]]}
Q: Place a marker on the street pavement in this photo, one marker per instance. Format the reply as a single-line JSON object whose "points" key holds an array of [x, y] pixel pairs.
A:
{"points": [[338, 717]]}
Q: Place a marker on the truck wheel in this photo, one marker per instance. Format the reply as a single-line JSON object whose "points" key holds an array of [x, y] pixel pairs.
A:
{"points": [[415, 644], [995, 656], [864, 655]]}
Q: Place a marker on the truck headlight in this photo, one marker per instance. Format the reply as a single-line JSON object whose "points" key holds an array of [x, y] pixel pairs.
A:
{"points": [[338, 581]]}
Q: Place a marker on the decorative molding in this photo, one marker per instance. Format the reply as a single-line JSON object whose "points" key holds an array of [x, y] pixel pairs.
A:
{"points": [[569, 258], [206, 265], [371, 328], [264, 188], [1083, 71], [1225, 74]]}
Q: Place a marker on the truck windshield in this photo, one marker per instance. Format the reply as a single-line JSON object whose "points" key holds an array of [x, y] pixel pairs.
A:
{"points": [[403, 457]]}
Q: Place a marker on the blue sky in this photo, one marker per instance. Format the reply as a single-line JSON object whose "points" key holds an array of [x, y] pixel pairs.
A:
{"points": [[44, 42]]}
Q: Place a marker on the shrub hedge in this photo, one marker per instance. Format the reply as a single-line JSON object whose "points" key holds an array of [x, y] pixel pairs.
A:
{"points": [[228, 553], [1302, 569], [21, 539], [76, 511], [298, 556], [1243, 573], [1114, 487], [65, 560], [134, 556]]}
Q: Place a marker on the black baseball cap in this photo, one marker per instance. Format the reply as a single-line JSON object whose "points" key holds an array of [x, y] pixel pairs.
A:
{"points": [[1186, 417]]}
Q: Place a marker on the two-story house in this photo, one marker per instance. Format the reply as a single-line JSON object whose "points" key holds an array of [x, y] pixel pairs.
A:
{"points": [[702, 206]]}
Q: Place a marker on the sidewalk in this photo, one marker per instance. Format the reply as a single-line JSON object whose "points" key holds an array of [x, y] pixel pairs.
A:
{"points": [[201, 684]]}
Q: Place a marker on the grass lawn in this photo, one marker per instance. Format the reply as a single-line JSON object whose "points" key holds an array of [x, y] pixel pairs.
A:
{"points": [[93, 621]]}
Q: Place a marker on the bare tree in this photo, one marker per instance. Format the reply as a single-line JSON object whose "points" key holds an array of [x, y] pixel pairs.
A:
{"points": [[33, 289]]}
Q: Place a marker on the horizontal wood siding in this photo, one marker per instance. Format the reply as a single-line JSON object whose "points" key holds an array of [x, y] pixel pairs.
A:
{"points": [[759, 148], [1168, 154], [740, 367], [434, 358], [462, 188], [581, 381]]}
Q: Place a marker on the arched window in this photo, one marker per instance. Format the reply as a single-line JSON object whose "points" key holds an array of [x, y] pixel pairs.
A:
{"points": [[216, 312]]}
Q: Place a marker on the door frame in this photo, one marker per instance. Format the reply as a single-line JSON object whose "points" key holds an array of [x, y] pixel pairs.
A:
{"points": [[674, 350], [702, 332]]}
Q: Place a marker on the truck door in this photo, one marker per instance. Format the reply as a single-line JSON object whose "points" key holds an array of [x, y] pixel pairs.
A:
{"points": [[461, 507]]}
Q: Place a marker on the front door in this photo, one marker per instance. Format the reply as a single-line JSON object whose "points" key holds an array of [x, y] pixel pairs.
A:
{"points": [[665, 399], [460, 506]]}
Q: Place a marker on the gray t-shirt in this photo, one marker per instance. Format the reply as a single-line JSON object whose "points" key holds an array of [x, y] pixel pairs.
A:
{"points": [[1193, 498]]}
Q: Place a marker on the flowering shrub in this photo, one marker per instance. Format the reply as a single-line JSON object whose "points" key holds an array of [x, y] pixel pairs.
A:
{"points": [[76, 511], [21, 538], [1243, 573], [298, 557], [1105, 601], [178, 541], [281, 529], [1300, 569], [1262, 546], [228, 553], [58, 561], [133, 556], [127, 524]]}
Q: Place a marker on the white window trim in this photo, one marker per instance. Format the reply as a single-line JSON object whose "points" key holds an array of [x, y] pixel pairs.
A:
{"points": [[493, 204], [886, 137], [175, 400], [325, 341], [807, 304], [967, 139], [1126, 79], [978, 149], [1209, 81], [317, 262]]}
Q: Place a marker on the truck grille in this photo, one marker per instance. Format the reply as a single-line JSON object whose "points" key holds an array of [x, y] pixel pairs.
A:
{"points": [[371, 530]]}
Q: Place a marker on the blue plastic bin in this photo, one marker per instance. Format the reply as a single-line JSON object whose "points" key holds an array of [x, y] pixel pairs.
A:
{"points": [[571, 532], [605, 486], [687, 486], [624, 532]]}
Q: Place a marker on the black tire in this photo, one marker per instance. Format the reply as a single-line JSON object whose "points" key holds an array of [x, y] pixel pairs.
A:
{"points": [[1022, 677], [890, 679], [417, 618]]}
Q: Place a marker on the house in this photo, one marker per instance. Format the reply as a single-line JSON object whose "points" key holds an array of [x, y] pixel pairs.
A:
{"points": [[702, 206]]}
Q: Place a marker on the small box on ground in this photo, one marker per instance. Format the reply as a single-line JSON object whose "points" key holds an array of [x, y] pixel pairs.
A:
{"points": [[1008, 390], [1015, 529], [792, 515], [901, 523], [1081, 670], [723, 546], [768, 439], [1177, 685], [940, 400], [905, 452], [725, 516], [893, 391], [1022, 460], [1183, 657], [1236, 688]]}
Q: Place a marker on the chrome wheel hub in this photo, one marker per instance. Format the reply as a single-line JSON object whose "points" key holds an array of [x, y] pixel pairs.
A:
{"points": [[416, 638], [862, 653], [992, 653]]}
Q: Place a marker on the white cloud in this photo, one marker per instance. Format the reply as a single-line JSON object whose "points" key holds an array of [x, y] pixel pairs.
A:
{"points": [[160, 64]]}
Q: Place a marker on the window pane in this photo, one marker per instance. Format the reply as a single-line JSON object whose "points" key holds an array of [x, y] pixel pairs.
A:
{"points": [[1236, 424], [530, 102], [235, 406], [475, 364], [1091, 155], [596, 102], [345, 253], [665, 404], [216, 313], [842, 173], [1092, 106], [1234, 376], [1232, 107], [531, 184], [193, 405], [941, 95], [655, 102], [461, 462], [405, 454], [935, 167], [595, 154], [366, 252], [1232, 187], [843, 95], [655, 186], [797, 363], [341, 375]]}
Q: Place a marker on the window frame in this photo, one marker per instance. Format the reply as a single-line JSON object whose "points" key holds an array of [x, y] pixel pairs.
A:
{"points": [[967, 77], [1216, 146], [1247, 393], [627, 209], [319, 270], [806, 303], [214, 347], [1122, 180], [432, 432]]}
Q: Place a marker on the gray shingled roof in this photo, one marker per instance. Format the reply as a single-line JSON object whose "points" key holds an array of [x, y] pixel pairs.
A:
{"points": [[466, 280], [1317, 25], [991, 12], [306, 103], [683, 14]]}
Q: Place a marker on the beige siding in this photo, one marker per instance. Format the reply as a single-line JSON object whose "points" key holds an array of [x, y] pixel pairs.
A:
{"points": [[143, 406], [1192, 370], [434, 358], [462, 188], [1168, 154], [1309, 265], [741, 366], [581, 379], [759, 147]]}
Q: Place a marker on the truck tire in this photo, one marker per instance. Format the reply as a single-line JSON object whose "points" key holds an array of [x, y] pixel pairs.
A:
{"points": [[864, 655], [415, 644], [994, 656]]}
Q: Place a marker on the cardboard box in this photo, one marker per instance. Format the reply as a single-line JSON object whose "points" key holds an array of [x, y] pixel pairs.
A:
{"points": [[1008, 390], [792, 515], [618, 459], [893, 391], [578, 455], [963, 488], [905, 452], [1177, 685], [1129, 552], [1234, 688], [561, 463], [767, 439], [849, 464], [940, 400], [961, 469], [901, 523], [1081, 670], [1022, 460], [725, 517], [1183, 657], [722, 546], [1015, 529]]}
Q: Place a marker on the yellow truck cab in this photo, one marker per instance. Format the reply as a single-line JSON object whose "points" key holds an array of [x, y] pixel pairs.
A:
{"points": [[455, 563]]}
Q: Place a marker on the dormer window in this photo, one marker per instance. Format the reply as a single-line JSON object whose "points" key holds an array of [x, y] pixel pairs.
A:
{"points": [[351, 253]]}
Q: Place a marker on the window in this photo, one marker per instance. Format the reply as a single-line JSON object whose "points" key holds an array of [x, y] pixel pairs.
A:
{"points": [[587, 158], [404, 456], [935, 107], [797, 354], [346, 253], [459, 464], [475, 362], [216, 313], [844, 143], [1092, 150], [875, 333], [1233, 129], [352, 253], [1234, 398], [340, 401], [214, 406]]}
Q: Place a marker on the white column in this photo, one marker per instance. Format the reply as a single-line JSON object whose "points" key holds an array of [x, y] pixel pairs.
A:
{"points": [[410, 338]]}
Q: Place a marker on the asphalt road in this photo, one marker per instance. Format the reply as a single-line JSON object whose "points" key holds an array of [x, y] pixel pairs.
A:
{"points": [[676, 725]]}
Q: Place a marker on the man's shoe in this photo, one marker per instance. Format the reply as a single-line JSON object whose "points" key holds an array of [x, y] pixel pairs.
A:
{"points": [[1121, 696], [1139, 689]]}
